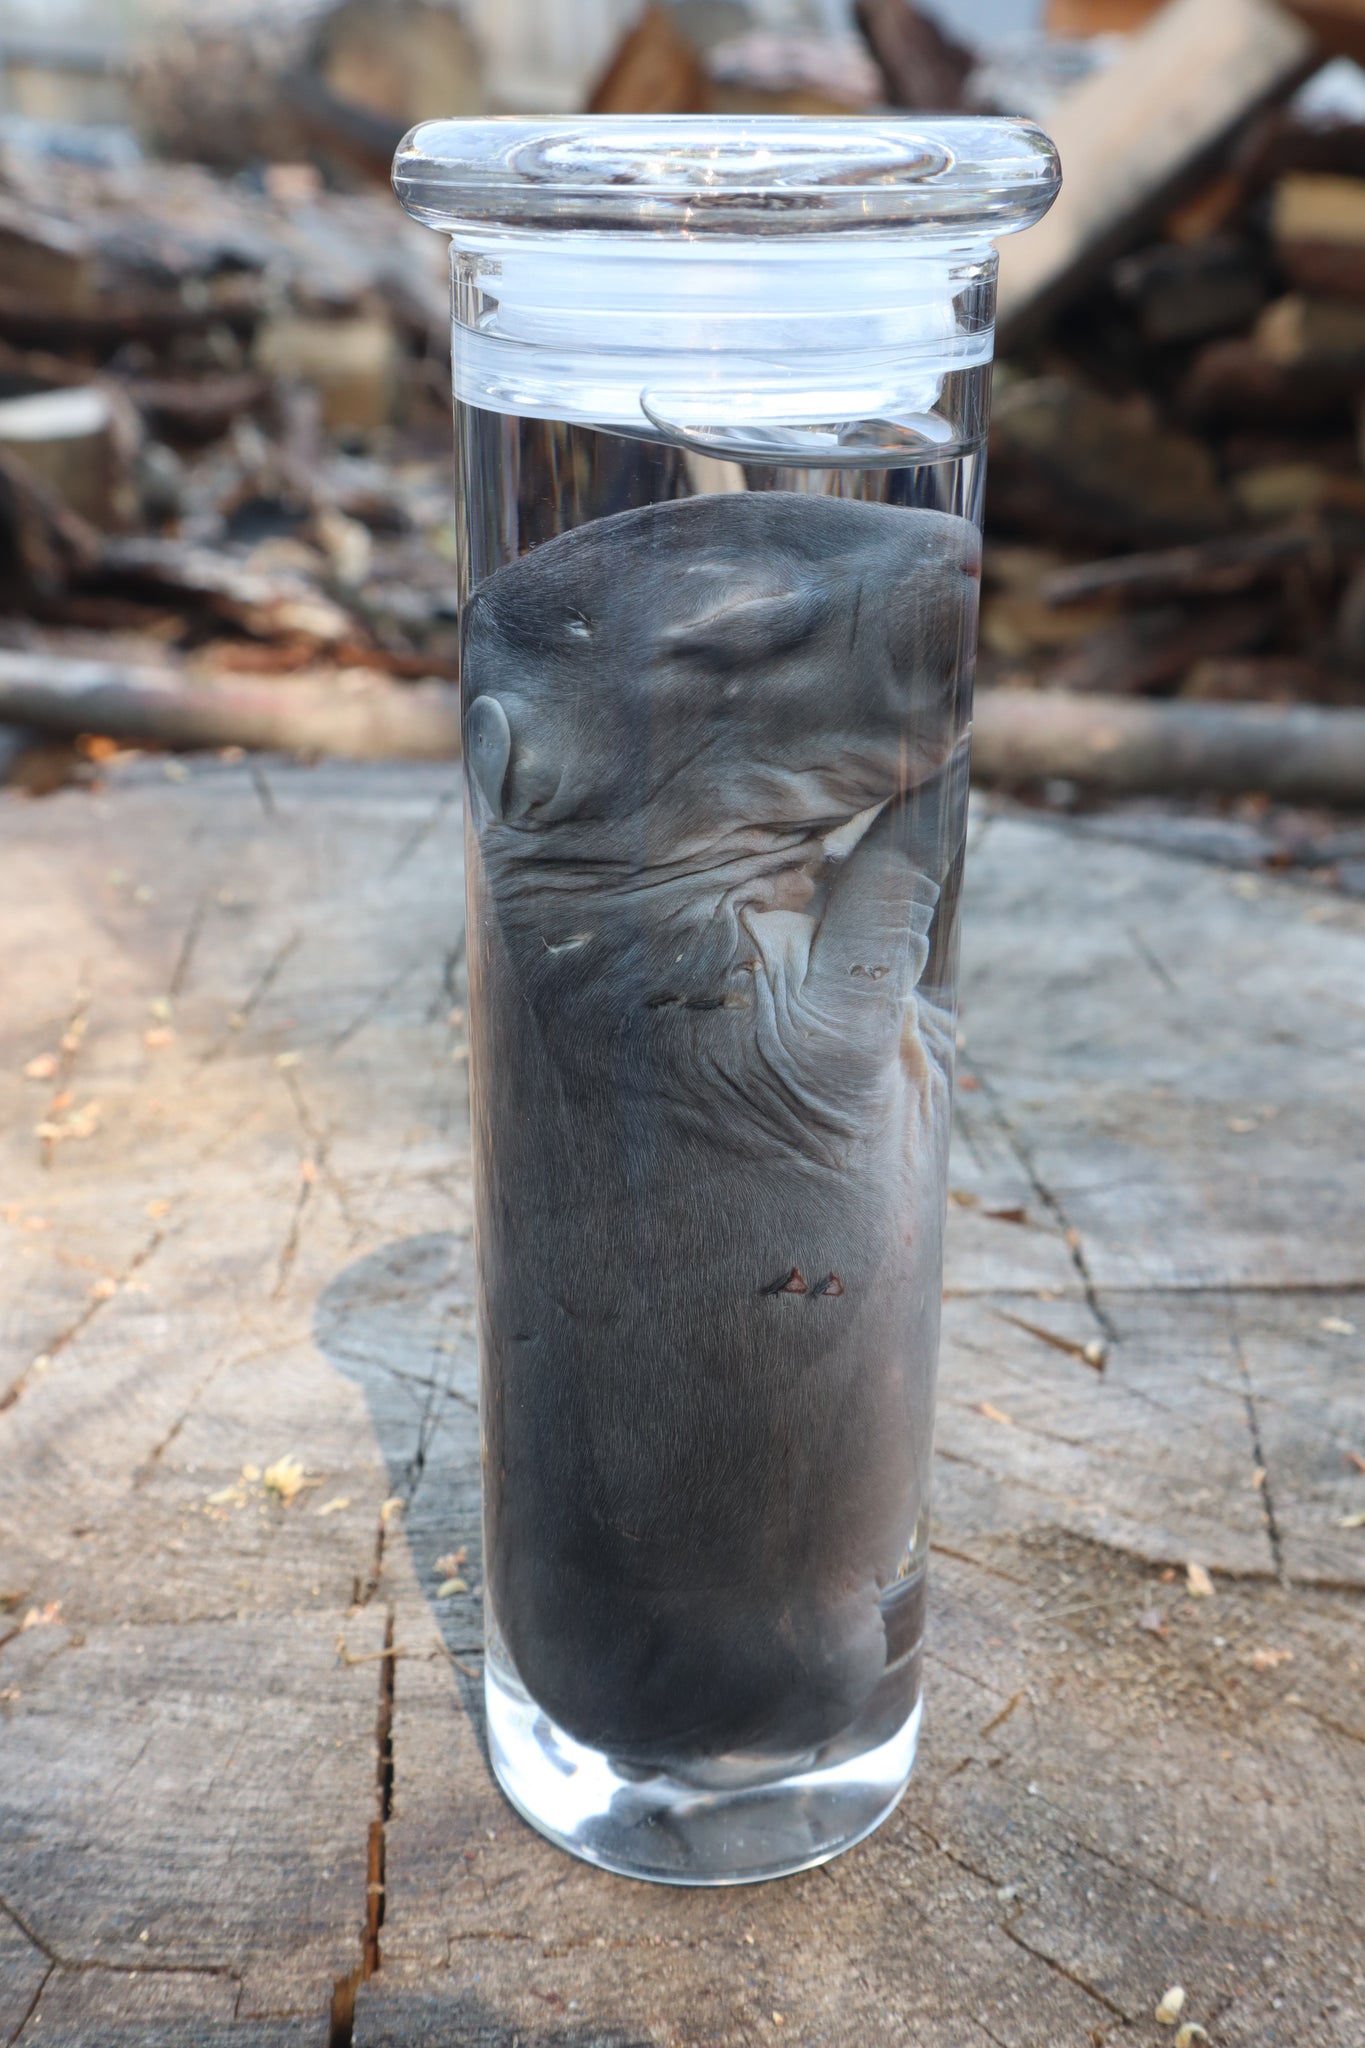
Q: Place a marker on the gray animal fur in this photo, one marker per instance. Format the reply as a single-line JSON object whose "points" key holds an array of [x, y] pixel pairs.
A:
{"points": [[716, 759]]}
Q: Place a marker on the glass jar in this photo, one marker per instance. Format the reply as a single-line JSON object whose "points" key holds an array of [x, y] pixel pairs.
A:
{"points": [[721, 395]]}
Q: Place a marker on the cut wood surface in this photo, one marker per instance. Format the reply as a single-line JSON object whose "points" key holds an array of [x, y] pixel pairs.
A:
{"points": [[1141, 132], [242, 1762]]}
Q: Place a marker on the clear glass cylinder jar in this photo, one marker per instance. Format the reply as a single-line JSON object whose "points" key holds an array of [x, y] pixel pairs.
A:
{"points": [[721, 393]]}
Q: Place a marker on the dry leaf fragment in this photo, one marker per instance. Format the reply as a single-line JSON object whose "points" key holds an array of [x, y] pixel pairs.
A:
{"points": [[158, 1038], [285, 1060], [1269, 1660], [308, 1172], [43, 1068], [962, 1200], [392, 1506], [285, 1479], [992, 1413], [1189, 2034], [1337, 1326], [156, 1210], [42, 1617], [334, 1507], [104, 1290], [448, 1567], [450, 1588], [228, 1496], [251, 1473], [1353, 1521], [1354, 1458], [1198, 1584], [1240, 1125], [83, 1124], [1171, 2006]]}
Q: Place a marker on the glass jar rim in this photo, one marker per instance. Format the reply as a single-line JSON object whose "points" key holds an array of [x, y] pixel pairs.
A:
{"points": [[955, 178]]}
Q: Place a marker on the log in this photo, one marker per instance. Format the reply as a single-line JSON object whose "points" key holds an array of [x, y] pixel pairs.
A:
{"points": [[1148, 649], [376, 68], [1317, 222], [655, 70], [1351, 621], [1272, 679], [45, 258], [195, 409], [1137, 136], [353, 363], [263, 82], [1339, 25], [1113, 744], [1236, 384], [1300, 755], [264, 604], [68, 439], [143, 706], [43, 543], [1307, 336], [1299, 489], [1070, 464], [1225, 567], [1098, 17], [924, 68], [1191, 292], [403, 61]]}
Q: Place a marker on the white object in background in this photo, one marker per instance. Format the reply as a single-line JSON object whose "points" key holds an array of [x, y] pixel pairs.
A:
{"points": [[544, 56]]}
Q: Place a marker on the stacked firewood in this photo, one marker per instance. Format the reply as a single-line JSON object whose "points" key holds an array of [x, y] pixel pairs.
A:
{"points": [[1177, 497], [224, 401], [224, 439]]}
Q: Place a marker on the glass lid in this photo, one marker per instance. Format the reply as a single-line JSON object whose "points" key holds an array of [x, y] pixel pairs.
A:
{"points": [[743, 175]]}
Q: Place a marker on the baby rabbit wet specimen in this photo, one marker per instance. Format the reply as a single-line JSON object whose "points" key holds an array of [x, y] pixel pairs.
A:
{"points": [[716, 752]]}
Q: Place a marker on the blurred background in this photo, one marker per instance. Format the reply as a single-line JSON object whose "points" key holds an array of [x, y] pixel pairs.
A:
{"points": [[226, 511]]}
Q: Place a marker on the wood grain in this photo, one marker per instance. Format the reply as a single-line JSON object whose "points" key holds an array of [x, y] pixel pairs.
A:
{"points": [[230, 1710]]}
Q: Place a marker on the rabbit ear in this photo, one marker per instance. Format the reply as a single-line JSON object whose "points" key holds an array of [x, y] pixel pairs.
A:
{"points": [[488, 751], [752, 628]]}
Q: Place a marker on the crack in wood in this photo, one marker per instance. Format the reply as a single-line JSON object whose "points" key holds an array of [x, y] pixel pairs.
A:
{"points": [[180, 973], [1072, 1976], [375, 1005], [265, 794], [344, 1992], [1266, 1490], [1052, 1204], [32, 2006], [420, 833], [136, 1967], [319, 1143], [1150, 960], [67, 1337], [983, 1876], [289, 1250], [257, 993], [159, 1449]]}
